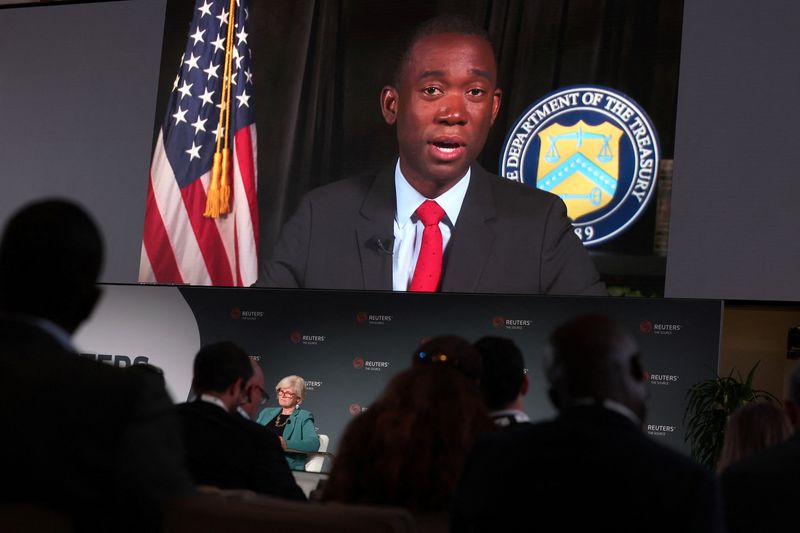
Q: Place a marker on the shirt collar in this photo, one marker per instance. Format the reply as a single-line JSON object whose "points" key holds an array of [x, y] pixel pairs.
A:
{"points": [[503, 414], [210, 398], [55, 331], [409, 199]]}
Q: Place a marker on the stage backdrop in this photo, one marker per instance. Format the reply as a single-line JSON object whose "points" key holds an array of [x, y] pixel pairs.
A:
{"points": [[347, 345]]}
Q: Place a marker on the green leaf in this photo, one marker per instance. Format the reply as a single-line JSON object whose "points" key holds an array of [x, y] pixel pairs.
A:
{"points": [[709, 404]]}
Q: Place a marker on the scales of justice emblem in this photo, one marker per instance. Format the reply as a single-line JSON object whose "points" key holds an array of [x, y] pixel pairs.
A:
{"points": [[580, 163]]}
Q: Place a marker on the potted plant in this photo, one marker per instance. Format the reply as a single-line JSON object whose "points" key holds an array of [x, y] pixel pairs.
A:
{"points": [[710, 404]]}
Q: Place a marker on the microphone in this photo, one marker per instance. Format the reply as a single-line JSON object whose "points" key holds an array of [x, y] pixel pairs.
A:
{"points": [[384, 245]]}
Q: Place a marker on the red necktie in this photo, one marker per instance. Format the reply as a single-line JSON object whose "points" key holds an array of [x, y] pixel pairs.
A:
{"points": [[428, 270]]}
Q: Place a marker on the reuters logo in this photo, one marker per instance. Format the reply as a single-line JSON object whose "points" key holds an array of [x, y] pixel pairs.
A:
{"points": [[354, 409], [358, 363], [499, 322], [646, 326], [362, 317], [296, 337], [236, 313]]}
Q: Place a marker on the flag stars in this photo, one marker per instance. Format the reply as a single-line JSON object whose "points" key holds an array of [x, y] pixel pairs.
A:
{"points": [[219, 44], [242, 36], [185, 89], [199, 125], [243, 98], [175, 83], [194, 152], [223, 17], [206, 96], [198, 36], [238, 58], [205, 9], [248, 75], [192, 62], [211, 71], [180, 115]]}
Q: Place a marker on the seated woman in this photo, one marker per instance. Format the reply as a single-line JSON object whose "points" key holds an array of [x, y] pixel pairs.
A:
{"points": [[293, 425], [753, 427], [408, 448]]}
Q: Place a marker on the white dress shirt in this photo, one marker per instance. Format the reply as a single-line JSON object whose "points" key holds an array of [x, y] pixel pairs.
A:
{"points": [[210, 398], [408, 228]]}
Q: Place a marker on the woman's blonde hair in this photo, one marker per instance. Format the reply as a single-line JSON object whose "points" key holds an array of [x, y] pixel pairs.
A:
{"points": [[295, 383]]}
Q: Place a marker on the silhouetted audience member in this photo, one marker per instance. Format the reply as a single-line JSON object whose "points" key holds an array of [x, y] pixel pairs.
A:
{"points": [[408, 447], [223, 449], [761, 490], [453, 350], [98, 443], [591, 468], [503, 380], [753, 427]]}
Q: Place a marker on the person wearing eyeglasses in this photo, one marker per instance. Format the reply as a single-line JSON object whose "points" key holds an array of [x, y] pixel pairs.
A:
{"points": [[293, 425], [223, 449], [255, 393]]}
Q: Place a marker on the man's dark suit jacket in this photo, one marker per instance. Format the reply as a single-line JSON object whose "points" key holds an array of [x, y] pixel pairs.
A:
{"points": [[227, 451], [761, 491], [509, 238], [99, 443], [591, 469]]}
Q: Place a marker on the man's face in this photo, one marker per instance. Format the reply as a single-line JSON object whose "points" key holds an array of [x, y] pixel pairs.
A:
{"points": [[444, 106], [255, 393]]}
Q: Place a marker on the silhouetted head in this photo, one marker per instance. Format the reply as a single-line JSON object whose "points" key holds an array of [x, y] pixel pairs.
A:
{"points": [[594, 357], [408, 448], [753, 427], [50, 259], [222, 369], [451, 351], [255, 391], [503, 371]]}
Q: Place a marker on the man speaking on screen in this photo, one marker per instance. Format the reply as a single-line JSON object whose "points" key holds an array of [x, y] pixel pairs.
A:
{"points": [[435, 221]]}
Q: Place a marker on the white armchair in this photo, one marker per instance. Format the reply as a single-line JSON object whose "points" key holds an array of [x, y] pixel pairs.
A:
{"points": [[315, 460]]}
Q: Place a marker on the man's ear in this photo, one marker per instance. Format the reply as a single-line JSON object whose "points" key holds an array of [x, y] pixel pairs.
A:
{"points": [[389, 97], [247, 393], [496, 98], [523, 389], [237, 392], [637, 370]]}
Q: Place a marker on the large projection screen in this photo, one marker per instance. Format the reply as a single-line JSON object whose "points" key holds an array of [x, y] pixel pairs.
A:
{"points": [[736, 187], [78, 89]]}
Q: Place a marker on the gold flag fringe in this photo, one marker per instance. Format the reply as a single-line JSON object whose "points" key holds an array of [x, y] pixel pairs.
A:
{"points": [[219, 190]]}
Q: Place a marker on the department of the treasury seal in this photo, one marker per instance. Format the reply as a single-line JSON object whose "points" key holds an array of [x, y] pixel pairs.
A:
{"points": [[592, 146]]}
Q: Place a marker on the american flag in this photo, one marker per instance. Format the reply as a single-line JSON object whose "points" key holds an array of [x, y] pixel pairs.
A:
{"points": [[179, 244]]}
